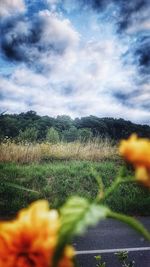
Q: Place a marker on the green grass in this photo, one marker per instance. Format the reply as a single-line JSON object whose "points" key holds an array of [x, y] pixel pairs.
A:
{"points": [[58, 180]]}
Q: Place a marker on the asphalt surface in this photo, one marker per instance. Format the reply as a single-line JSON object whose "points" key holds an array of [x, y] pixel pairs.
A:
{"points": [[109, 236]]}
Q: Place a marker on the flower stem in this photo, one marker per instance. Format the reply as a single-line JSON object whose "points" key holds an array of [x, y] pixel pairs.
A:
{"points": [[131, 222], [114, 185]]}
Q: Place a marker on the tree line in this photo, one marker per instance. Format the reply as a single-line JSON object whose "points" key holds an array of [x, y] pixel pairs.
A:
{"points": [[30, 126]]}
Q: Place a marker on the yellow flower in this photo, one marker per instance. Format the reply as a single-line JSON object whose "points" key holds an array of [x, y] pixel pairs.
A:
{"points": [[143, 176], [137, 151], [30, 240]]}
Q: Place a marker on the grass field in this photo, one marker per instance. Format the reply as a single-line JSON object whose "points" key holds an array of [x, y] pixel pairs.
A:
{"points": [[55, 180], [28, 153]]}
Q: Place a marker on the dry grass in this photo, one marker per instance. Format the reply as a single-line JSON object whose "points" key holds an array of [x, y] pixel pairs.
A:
{"points": [[24, 153]]}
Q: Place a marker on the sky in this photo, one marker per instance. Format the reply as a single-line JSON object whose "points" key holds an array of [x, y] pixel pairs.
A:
{"points": [[76, 57]]}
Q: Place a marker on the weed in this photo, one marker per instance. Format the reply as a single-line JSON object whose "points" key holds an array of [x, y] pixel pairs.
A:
{"points": [[122, 256], [124, 259], [99, 261]]}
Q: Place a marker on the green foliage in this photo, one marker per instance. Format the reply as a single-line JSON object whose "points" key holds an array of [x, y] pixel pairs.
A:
{"points": [[28, 135], [9, 126], [58, 180], [16, 186], [19, 187], [130, 198], [43, 124], [70, 135], [63, 123], [123, 259], [52, 136], [75, 216], [85, 134], [99, 261], [115, 129]]}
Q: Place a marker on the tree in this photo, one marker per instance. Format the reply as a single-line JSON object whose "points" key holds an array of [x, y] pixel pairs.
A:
{"points": [[14, 125], [52, 136], [43, 124], [63, 122], [29, 135], [8, 126], [71, 135], [91, 122], [85, 134]]}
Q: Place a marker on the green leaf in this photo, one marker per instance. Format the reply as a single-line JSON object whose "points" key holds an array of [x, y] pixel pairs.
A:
{"points": [[19, 187], [76, 215]]}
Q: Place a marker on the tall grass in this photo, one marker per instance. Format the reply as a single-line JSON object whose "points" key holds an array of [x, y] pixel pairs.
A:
{"points": [[25, 153], [57, 180]]}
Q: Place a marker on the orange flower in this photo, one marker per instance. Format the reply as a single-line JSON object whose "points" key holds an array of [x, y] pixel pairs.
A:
{"points": [[31, 239], [137, 151]]}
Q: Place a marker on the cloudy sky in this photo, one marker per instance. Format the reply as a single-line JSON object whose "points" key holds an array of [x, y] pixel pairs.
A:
{"points": [[76, 57]]}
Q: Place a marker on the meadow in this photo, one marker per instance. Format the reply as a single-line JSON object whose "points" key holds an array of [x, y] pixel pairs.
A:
{"points": [[25, 152], [56, 171]]}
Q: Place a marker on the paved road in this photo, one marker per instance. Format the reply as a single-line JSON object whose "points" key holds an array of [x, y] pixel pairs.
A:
{"points": [[112, 235]]}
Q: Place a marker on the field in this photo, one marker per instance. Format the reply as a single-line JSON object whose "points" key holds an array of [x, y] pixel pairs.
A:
{"points": [[55, 172], [27, 153]]}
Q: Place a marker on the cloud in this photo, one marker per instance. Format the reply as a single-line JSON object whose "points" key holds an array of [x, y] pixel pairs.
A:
{"points": [[138, 54], [124, 13], [87, 83], [21, 94], [142, 54], [76, 61], [129, 12], [9, 7], [47, 34]]}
